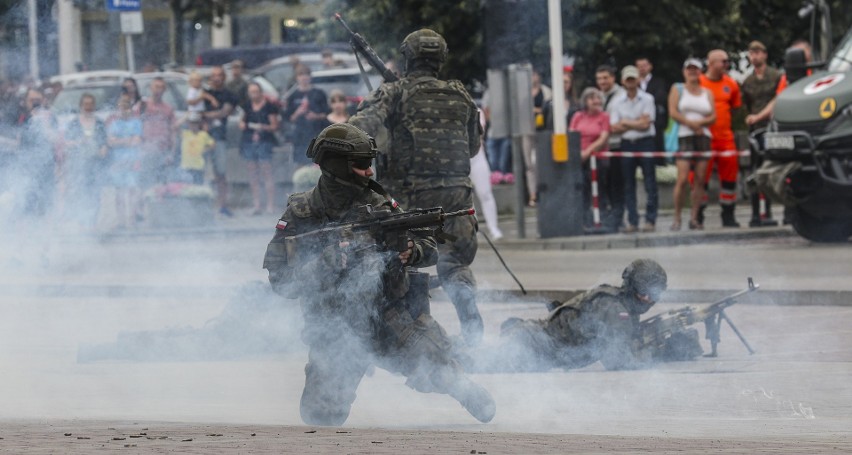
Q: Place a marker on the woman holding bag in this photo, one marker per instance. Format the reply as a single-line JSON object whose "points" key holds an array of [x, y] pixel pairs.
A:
{"points": [[691, 106]]}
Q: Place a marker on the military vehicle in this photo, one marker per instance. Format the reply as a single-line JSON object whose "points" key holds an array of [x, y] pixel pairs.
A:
{"points": [[807, 148]]}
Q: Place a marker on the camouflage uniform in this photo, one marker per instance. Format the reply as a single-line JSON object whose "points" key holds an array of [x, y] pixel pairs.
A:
{"points": [[433, 130], [601, 324], [357, 314]]}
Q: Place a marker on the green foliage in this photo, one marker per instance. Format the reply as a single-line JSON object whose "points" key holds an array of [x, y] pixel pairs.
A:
{"points": [[594, 31], [668, 31], [384, 23]]}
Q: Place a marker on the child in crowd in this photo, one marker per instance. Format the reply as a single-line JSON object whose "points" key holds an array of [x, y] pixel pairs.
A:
{"points": [[196, 95], [195, 142]]}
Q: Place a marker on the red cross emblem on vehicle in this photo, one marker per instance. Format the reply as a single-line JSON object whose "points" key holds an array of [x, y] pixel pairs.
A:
{"points": [[823, 83]]}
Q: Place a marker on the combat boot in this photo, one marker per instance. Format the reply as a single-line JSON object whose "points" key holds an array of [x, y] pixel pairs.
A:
{"points": [[475, 399], [728, 219]]}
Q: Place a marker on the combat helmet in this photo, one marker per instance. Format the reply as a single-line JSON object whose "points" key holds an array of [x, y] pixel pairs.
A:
{"points": [[645, 277], [424, 45], [341, 146]]}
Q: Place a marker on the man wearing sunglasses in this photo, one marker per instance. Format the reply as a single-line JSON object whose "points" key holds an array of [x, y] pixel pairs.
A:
{"points": [[726, 92], [357, 300]]}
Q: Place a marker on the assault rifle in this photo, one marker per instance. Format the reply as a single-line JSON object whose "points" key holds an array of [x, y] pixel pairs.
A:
{"points": [[379, 229], [360, 46], [657, 329]]}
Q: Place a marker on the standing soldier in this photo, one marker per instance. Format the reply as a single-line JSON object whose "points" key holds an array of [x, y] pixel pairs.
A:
{"points": [[759, 91], [359, 304], [433, 130]]}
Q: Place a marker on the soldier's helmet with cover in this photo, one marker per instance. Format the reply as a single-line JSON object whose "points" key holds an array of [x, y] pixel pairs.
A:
{"points": [[340, 147], [645, 277], [424, 45]]}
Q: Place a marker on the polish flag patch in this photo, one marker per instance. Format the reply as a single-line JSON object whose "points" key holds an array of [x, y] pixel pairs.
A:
{"points": [[281, 225], [394, 204], [623, 316]]}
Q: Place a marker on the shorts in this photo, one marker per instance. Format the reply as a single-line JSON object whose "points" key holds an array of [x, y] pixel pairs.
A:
{"points": [[693, 144], [220, 157], [256, 151]]}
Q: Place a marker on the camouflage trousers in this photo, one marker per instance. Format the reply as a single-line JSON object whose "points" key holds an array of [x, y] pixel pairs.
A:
{"points": [[454, 258], [524, 346], [340, 355]]}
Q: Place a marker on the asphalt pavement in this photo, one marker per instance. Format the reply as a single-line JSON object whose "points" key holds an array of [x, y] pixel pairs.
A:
{"points": [[61, 291]]}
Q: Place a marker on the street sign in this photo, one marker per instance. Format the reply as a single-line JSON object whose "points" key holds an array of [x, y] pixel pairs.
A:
{"points": [[131, 22], [123, 5]]}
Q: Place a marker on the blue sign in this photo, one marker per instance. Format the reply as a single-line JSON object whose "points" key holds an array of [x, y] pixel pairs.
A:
{"points": [[123, 5]]}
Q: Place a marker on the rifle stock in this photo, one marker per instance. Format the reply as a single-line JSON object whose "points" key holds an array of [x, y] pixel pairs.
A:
{"points": [[656, 330]]}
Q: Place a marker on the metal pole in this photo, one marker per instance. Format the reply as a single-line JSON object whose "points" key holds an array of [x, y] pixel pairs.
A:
{"points": [[131, 57], [520, 187], [33, 29], [559, 144]]}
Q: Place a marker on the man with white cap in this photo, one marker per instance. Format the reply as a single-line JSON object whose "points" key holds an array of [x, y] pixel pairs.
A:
{"points": [[632, 115]]}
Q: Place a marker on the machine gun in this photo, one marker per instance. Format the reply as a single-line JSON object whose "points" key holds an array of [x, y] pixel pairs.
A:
{"points": [[382, 230], [360, 46], [655, 331]]}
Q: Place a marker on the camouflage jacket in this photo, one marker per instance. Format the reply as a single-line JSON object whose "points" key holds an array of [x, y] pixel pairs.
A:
{"points": [[309, 276], [432, 129], [598, 325]]}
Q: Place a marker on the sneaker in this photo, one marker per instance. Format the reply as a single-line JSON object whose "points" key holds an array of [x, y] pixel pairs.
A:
{"points": [[509, 178], [496, 178], [649, 227], [496, 235], [225, 212]]}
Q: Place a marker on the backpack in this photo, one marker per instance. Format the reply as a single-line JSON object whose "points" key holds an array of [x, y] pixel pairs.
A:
{"points": [[435, 116]]}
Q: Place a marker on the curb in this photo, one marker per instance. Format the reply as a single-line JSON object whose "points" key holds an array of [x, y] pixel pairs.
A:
{"points": [[620, 241], [603, 242], [687, 296]]}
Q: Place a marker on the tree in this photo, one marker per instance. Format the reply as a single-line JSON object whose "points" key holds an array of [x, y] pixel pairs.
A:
{"points": [[594, 31], [384, 23]]}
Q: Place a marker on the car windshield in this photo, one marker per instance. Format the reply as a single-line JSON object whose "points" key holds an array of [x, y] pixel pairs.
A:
{"points": [[352, 85], [842, 60], [68, 100]]}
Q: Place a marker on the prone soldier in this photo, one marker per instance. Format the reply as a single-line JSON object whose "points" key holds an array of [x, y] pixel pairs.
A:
{"points": [[599, 325], [355, 297], [432, 128]]}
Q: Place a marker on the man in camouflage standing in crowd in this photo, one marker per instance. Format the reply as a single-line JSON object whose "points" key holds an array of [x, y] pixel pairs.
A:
{"points": [[433, 130]]}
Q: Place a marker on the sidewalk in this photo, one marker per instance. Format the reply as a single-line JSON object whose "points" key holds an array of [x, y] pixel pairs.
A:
{"points": [[243, 223]]}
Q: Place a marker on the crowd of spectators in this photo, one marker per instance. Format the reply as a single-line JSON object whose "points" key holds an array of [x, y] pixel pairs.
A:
{"points": [[632, 109], [132, 144], [143, 142]]}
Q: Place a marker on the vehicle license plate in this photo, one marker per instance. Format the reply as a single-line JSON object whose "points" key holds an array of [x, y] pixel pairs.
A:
{"points": [[779, 141]]}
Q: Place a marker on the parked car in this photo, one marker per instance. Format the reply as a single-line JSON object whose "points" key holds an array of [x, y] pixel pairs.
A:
{"points": [[254, 56], [106, 89], [347, 80], [279, 71]]}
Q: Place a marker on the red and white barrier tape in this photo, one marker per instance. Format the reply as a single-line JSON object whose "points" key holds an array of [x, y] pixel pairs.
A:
{"points": [[684, 154], [596, 210]]}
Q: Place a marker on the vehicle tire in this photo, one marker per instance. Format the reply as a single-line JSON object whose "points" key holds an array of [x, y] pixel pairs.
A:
{"points": [[818, 229]]}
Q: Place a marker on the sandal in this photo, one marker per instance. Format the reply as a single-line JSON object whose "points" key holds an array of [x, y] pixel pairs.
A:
{"points": [[695, 226], [675, 226]]}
